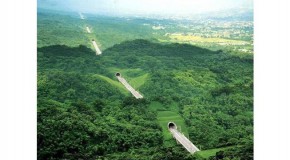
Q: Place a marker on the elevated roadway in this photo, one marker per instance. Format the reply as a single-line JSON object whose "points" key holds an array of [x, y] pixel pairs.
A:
{"points": [[88, 30], [135, 93], [180, 138], [81, 15], [98, 51]]}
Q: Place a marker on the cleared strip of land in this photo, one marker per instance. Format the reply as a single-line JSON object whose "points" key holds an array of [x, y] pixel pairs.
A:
{"points": [[98, 51]]}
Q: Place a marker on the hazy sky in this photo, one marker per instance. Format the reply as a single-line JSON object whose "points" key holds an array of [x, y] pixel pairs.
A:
{"points": [[145, 6]]}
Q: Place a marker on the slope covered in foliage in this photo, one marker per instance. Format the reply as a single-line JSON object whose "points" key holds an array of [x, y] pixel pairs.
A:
{"points": [[83, 114]]}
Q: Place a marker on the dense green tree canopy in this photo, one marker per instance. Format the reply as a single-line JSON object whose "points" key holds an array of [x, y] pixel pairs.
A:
{"points": [[85, 113]]}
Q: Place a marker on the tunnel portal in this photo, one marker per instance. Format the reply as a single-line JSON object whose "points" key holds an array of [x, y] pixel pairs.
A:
{"points": [[172, 125], [118, 74]]}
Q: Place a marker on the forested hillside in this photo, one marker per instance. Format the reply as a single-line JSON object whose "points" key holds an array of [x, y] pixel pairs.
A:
{"points": [[85, 113]]}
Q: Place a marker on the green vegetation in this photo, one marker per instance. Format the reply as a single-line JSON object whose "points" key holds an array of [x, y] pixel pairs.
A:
{"points": [[85, 113], [211, 152], [139, 81], [136, 77], [165, 114], [114, 83], [164, 117]]}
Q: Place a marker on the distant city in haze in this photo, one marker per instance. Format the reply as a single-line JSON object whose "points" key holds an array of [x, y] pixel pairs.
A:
{"points": [[164, 8]]}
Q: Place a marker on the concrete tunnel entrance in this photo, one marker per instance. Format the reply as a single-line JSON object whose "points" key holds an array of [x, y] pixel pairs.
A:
{"points": [[172, 125], [118, 74]]}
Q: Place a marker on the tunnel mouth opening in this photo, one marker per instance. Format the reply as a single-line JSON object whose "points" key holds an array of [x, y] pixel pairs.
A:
{"points": [[172, 125], [118, 74]]}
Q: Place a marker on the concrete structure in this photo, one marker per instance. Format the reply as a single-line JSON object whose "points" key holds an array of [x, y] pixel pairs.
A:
{"points": [[180, 138], [81, 15], [136, 94], [88, 30], [98, 51]]}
